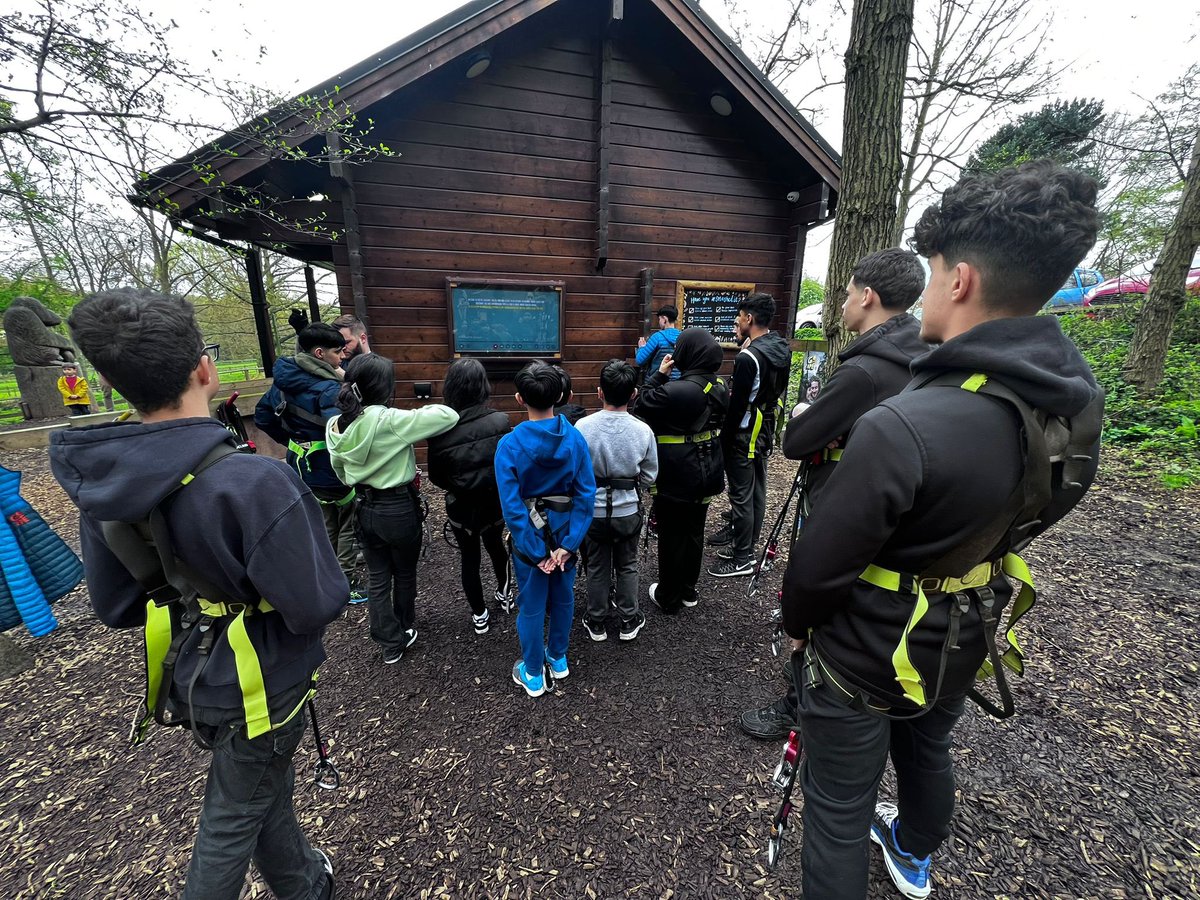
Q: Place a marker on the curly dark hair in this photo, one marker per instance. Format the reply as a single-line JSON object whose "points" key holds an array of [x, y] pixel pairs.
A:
{"points": [[144, 343], [1024, 229], [894, 274]]}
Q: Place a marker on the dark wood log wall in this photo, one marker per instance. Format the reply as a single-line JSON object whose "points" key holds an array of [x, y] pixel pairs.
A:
{"points": [[498, 177]]}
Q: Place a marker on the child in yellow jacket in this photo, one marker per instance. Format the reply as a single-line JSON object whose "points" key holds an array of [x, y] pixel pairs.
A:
{"points": [[74, 390]]}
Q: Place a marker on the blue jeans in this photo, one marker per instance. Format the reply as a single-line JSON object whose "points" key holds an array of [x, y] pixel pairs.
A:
{"points": [[248, 814], [540, 593]]}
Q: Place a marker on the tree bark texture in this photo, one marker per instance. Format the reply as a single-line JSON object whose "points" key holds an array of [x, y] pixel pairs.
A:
{"points": [[876, 61], [1168, 292]]}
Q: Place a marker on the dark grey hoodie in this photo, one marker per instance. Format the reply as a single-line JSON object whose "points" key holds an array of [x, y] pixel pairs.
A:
{"points": [[920, 473], [247, 522]]}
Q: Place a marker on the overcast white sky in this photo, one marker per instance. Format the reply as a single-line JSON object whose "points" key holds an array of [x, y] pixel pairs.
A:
{"points": [[1114, 50]]}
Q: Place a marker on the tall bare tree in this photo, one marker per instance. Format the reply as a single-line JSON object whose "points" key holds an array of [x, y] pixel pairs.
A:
{"points": [[970, 61], [1167, 294], [880, 32]]}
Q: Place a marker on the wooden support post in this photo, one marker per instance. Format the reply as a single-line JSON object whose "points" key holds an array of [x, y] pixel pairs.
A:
{"points": [[339, 170], [258, 301], [314, 308], [604, 134], [647, 291]]}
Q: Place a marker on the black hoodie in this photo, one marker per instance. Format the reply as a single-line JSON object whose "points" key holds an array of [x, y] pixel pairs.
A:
{"points": [[873, 367], [919, 474], [688, 472], [760, 374], [247, 522]]}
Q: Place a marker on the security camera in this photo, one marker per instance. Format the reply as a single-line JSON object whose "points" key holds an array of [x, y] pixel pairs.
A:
{"points": [[793, 196]]}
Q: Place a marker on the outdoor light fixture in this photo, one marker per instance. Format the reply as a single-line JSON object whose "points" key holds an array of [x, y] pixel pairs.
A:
{"points": [[720, 104], [316, 198], [478, 63]]}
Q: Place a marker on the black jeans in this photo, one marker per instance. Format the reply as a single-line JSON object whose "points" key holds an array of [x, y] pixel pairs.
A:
{"points": [[747, 494], [492, 538], [389, 529], [680, 550], [845, 752], [248, 812], [612, 544]]}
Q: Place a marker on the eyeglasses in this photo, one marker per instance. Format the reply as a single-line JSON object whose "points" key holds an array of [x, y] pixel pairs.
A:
{"points": [[212, 351]]}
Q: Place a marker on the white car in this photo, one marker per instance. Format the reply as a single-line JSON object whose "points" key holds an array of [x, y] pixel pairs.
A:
{"points": [[809, 317]]}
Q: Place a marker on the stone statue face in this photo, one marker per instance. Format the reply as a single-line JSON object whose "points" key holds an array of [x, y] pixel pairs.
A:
{"points": [[47, 317]]}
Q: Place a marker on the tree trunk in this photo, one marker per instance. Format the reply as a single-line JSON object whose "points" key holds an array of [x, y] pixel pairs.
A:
{"points": [[1168, 292], [877, 58]]}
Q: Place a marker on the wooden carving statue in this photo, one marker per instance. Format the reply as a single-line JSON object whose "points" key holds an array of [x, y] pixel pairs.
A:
{"points": [[30, 340]]}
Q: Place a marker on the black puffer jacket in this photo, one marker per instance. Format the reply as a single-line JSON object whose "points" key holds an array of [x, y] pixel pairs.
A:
{"points": [[920, 474], [462, 459], [873, 367], [688, 471]]}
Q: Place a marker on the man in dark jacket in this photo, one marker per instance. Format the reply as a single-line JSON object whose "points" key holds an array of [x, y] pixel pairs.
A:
{"points": [[684, 415], [293, 413], [924, 475], [760, 376], [873, 367], [251, 527]]}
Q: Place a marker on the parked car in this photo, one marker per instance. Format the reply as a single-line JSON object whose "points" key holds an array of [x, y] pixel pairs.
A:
{"points": [[1071, 294], [1114, 290], [809, 317]]}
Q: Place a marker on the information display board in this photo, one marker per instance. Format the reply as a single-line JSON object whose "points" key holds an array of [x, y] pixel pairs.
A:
{"points": [[712, 305], [505, 318]]}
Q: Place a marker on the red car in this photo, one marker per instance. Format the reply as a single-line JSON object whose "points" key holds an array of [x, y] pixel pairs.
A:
{"points": [[1116, 289]]}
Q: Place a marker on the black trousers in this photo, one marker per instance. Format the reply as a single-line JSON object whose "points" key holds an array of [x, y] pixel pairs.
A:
{"points": [[747, 478], [389, 529], [845, 752], [492, 538], [680, 550]]}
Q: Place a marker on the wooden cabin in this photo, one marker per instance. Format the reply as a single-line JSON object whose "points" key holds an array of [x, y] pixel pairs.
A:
{"points": [[604, 152]]}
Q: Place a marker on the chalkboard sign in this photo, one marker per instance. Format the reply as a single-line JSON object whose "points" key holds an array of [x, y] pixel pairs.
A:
{"points": [[499, 317], [712, 305]]}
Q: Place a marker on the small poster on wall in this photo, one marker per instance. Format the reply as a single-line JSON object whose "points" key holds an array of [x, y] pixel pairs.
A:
{"points": [[712, 305]]}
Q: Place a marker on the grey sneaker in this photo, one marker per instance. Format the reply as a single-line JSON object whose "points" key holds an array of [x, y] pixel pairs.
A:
{"points": [[731, 568]]}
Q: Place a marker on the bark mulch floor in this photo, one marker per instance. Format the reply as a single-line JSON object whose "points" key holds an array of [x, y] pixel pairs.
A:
{"points": [[633, 780]]}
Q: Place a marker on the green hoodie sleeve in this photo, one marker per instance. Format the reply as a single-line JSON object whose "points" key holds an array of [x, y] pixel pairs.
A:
{"points": [[412, 425]]}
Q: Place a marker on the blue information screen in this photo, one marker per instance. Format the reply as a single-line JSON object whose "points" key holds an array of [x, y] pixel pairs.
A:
{"points": [[495, 318]]}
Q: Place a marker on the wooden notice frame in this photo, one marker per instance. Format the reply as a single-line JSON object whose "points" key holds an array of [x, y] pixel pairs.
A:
{"points": [[712, 305], [507, 331]]}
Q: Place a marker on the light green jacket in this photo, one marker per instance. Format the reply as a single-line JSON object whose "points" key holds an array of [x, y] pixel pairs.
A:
{"points": [[376, 449]]}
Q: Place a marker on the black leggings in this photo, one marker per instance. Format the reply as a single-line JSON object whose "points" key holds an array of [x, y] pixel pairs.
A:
{"points": [[492, 538], [389, 530]]}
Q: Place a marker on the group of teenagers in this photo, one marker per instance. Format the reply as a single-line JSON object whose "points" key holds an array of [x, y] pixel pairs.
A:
{"points": [[911, 458]]}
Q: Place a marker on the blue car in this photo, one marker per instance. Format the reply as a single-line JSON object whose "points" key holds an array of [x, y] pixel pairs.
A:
{"points": [[1070, 295]]}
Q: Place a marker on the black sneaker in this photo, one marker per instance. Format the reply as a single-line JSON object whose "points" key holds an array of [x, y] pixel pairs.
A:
{"points": [[721, 537], [691, 597], [731, 568], [630, 628], [727, 553], [596, 630], [653, 592], [771, 723]]}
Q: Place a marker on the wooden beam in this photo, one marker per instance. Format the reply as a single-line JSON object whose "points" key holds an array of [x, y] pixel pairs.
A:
{"points": [[258, 300], [310, 284], [794, 266], [341, 174], [604, 137], [647, 290]]}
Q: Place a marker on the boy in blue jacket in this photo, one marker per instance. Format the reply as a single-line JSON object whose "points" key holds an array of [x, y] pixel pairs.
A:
{"points": [[547, 490]]}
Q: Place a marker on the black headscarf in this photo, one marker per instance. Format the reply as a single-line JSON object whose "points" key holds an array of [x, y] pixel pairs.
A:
{"points": [[696, 350]]}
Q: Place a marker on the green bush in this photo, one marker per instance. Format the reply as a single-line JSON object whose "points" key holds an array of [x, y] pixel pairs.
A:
{"points": [[1159, 435]]}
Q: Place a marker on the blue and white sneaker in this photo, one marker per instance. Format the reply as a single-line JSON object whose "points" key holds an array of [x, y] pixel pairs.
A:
{"points": [[909, 874], [558, 667], [535, 685]]}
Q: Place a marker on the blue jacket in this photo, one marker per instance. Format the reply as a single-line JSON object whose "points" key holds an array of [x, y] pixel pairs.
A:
{"points": [[542, 459], [246, 522], [316, 396], [659, 345], [36, 564]]}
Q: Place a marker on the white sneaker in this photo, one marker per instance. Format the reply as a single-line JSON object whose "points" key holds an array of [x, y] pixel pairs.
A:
{"points": [[480, 622]]}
